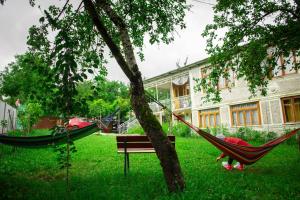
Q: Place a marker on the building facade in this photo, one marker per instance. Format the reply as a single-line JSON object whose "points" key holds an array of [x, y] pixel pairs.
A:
{"points": [[277, 111]]}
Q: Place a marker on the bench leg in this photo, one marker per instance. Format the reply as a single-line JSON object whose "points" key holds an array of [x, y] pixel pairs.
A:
{"points": [[128, 162], [125, 163]]}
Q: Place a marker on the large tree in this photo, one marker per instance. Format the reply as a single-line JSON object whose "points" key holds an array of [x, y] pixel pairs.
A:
{"points": [[248, 37], [27, 78], [131, 20], [122, 26]]}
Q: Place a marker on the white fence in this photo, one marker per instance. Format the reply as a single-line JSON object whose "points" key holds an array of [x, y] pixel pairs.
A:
{"points": [[9, 115]]}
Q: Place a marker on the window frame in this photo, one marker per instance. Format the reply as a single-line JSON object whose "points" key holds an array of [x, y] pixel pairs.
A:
{"points": [[293, 109], [237, 110], [214, 113], [281, 63], [204, 74]]}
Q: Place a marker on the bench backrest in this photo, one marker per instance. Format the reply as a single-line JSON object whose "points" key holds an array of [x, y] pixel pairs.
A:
{"points": [[137, 142]]}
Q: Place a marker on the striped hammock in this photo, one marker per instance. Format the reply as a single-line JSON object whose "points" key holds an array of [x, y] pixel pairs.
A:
{"points": [[244, 154]]}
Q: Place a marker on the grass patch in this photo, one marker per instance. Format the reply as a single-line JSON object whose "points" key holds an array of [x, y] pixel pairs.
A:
{"points": [[97, 173]]}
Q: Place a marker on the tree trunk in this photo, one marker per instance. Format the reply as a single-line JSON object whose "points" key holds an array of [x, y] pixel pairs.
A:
{"points": [[164, 149]]}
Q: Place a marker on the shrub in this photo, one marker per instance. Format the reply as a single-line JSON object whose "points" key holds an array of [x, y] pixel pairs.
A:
{"points": [[271, 135], [29, 115], [181, 130], [218, 130], [292, 140], [137, 129], [15, 133]]}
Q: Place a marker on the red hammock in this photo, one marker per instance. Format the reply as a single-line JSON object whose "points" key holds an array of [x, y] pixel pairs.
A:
{"points": [[244, 154]]}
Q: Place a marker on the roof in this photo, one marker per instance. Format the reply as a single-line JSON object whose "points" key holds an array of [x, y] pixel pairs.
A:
{"points": [[176, 71]]}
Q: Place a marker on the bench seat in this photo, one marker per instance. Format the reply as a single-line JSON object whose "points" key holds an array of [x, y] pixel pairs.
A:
{"points": [[135, 144]]}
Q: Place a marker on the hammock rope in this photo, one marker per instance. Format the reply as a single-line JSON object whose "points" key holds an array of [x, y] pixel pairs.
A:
{"points": [[244, 154]]}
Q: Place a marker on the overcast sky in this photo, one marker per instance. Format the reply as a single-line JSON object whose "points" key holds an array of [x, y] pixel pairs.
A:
{"points": [[16, 16]]}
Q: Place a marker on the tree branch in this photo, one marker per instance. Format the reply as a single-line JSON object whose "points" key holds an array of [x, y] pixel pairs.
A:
{"points": [[90, 7], [122, 27], [62, 10]]}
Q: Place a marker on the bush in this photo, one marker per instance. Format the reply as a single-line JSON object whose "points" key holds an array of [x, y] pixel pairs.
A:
{"points": [[292, 140], [29, 115], [137, 129], [15, 133], [271, 135], [218, 130], [181, 130]]}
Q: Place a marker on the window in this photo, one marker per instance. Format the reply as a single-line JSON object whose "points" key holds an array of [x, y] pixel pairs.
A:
{"points": [[285, 65], [247, 114], [181, 90], [209, 118], [223, 82], [291, 109]]}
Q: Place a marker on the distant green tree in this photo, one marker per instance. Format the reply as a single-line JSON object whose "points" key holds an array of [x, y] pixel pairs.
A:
{"points": [[100, 107], [110, 90], [27, 79], [85, 93], [124, 106]]}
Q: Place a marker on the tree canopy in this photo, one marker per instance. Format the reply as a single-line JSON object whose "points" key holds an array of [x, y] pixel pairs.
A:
{"points": [[257, 34]]}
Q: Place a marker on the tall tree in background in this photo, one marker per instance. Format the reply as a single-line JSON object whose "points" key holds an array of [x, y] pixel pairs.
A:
{"points": [[27, 78], [257, 33]]}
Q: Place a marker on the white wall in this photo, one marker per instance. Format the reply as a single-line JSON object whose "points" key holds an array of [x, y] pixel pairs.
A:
{"points": [[8, 113]]}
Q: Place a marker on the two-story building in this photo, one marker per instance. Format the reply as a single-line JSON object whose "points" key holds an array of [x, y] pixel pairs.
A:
{"points": [[278, 110]]}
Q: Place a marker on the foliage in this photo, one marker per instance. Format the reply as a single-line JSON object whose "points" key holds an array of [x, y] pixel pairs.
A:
{"points": [[218, 130], [35, 171], [257, 33], [75, 52], [110, 90], [85, 91], [180, 129], [250, 134], [26, 78], [30, 115], [137, 129], [292, 140], [99, 107], [3, 123]]}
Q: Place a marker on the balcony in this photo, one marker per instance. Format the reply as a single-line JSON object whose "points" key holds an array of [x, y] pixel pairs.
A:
{"points": [[156, 108], [181, 102]]}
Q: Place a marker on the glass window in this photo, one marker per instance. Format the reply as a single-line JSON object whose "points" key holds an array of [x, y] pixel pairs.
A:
{"points": [[291, 109], [245, 114], [209, 118]]}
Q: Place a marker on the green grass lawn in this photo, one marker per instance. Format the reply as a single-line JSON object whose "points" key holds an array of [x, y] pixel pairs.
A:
{"points": [[97, 173]]}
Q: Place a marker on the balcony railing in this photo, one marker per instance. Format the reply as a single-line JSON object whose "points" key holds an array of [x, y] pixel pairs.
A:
{"points": [[181, 102], [156, 108], [177, 103]]}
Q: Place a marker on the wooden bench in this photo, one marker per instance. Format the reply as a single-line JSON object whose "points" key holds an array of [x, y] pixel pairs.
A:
{"points": [[135, 144]]}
